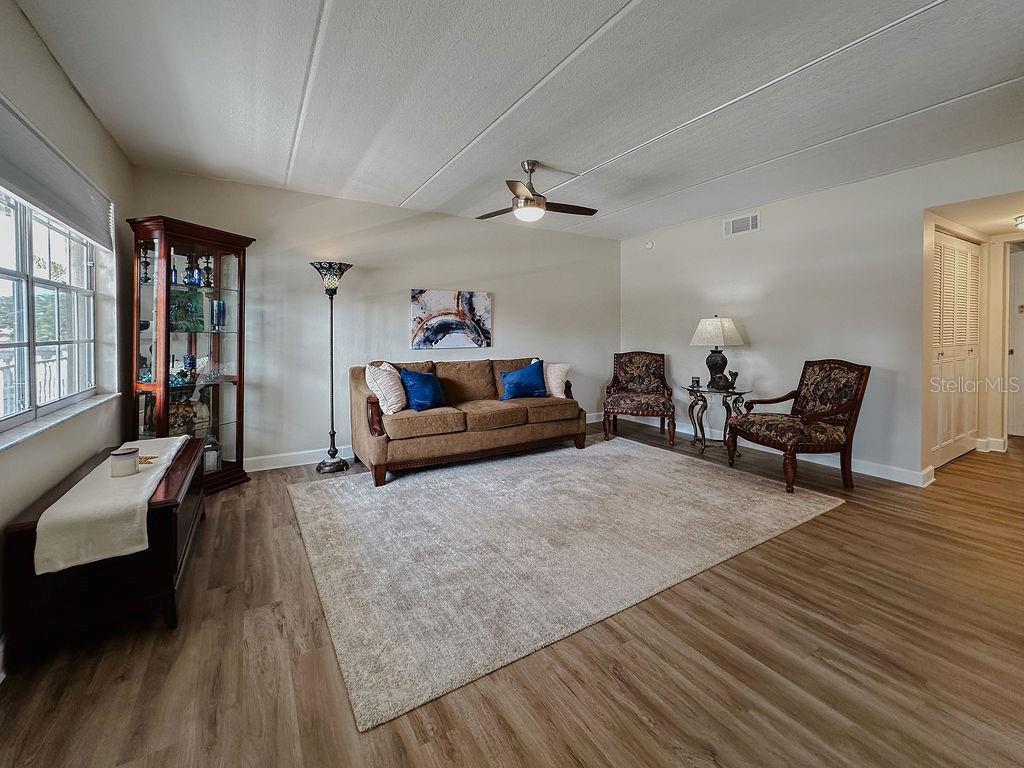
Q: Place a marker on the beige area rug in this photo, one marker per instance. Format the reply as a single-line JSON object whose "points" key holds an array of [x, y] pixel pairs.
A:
{"points": [[446, 574]]}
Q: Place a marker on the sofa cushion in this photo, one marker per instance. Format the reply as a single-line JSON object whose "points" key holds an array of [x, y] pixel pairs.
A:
{"points": [[421, 366], [503, 366], [422, 390], [436, 421], [492, 414], [541, 409], [524, 382], [467, 380]]}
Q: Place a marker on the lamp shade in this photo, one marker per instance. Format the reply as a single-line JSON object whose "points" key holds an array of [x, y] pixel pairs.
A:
{"points": [[716, 332], [331, 272]]}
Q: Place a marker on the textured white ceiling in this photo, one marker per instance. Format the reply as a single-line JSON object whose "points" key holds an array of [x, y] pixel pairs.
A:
{"points": [[670, 109]]}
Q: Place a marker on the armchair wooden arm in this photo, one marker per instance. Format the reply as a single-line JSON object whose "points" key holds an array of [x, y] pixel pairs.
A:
{"points": [[810, 418], [374, 416], [749, 405]]}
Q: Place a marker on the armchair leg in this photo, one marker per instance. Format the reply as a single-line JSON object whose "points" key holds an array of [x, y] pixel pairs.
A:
{"points": [[846, 462], [730, 446], [379, 472], [661, 429], [615, 424], [789, 470], [671, 430], [607, 424]]}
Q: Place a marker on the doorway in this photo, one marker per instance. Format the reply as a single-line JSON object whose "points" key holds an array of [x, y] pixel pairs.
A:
{"points": [[1015, 355]]}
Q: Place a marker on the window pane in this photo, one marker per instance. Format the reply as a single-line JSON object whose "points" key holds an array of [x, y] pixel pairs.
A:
{"points": [[79, 272], [8, 254], [68, 369], [40, 249], [46, 313], [13, 313], [86, 366], [13, 381], [66, 316], [47, 375], [85, 323], [59, 270]]}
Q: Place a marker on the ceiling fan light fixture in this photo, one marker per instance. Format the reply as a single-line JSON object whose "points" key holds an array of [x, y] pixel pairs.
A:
{"points": [[1019, 221], [526, 209]]}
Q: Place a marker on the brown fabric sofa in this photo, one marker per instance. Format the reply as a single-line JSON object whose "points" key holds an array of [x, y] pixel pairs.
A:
{"points": [[474, 423]]}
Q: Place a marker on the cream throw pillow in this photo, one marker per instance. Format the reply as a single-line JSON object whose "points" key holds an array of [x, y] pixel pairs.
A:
{"points": [[555, 375], [386, 383]]}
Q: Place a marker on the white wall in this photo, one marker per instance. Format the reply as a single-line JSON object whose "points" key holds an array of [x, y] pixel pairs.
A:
{"points": [[555, 295], [832, 274], [36, 85]]}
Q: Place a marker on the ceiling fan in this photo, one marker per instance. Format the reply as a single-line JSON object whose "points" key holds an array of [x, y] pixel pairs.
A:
{"points": [[529, 205]]}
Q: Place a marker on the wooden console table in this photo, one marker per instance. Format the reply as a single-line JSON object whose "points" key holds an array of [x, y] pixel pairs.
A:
{"points": [[37, 609]]}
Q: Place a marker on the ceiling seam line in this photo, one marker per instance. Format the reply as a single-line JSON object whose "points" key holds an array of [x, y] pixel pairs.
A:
{"points": [[311, 67], [755, 91], [597, 33], [795, 152]]}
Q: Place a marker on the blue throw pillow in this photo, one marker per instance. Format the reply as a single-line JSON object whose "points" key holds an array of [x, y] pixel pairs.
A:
{"points": [[525, 382], [422, 390]]}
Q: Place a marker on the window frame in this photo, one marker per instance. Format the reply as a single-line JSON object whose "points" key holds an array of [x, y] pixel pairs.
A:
{"points": [[25, 216]]}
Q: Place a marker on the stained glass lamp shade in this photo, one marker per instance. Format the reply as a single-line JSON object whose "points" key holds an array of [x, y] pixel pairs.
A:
{"points": [[331, 272]]}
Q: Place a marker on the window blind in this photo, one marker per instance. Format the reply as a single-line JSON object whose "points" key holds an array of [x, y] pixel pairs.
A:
{"points": [[35, 171]]}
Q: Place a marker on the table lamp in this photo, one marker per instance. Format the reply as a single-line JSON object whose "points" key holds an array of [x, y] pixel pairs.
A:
{"points": [[717, 332]]}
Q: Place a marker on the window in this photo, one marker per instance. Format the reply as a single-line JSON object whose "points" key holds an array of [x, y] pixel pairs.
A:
{"points": [[47, 313]]}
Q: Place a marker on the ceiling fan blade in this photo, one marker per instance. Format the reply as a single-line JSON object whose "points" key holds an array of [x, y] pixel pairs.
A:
{"points": [[492, 214], [519, 189], [577, 210]]}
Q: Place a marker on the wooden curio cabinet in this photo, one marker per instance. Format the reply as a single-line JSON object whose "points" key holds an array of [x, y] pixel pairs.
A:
{"points": [[188, 340]]}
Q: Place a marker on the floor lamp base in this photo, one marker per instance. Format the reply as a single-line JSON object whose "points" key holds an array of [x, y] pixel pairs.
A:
{"points": [[337, 464]]}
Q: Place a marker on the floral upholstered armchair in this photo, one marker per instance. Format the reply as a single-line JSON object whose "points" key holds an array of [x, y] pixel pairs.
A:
{"points": [[826, 404], [639, 388]]}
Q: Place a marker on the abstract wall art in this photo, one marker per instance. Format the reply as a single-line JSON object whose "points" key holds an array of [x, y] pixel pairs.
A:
{"points": [[440, 319]]}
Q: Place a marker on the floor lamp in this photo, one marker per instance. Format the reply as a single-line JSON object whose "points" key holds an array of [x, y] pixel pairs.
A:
{"points": [[331, 272]]}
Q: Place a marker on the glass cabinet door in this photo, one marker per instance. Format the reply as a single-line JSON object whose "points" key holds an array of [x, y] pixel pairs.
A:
{"points": [[203, 301]]}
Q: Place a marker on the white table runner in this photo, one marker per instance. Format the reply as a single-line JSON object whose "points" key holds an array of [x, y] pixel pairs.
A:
{"points": [[103, 516]]}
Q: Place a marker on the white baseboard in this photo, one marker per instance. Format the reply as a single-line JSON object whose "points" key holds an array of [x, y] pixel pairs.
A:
{"points": [[294, 459], [595, 418], [989, 444], [860, 466]]}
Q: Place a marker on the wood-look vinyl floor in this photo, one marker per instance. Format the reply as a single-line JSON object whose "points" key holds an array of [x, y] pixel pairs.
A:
{"points": [[887, 632]]}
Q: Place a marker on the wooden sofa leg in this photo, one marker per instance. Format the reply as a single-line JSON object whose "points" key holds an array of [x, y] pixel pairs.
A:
{"points": [[789, 470], [671, 430], [607, 424], [380, 473], [581, 440], [846, 462]]}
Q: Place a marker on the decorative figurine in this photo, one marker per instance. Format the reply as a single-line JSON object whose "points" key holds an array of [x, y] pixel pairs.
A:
{"points": [[722, 383], [144, 262], [208, 273]]}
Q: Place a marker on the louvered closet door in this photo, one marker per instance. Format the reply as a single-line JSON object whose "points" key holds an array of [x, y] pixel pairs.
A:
{"points": [[954, 337]]}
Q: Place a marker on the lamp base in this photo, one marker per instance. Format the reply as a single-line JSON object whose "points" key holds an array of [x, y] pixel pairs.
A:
{"points": [[328, 465], [716, 362]]}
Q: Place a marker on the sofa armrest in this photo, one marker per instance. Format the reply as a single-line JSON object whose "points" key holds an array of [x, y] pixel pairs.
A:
{"points": [[374, 416]]}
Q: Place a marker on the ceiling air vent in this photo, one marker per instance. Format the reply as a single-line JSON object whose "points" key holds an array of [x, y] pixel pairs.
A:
{"points": [[741, 225]]}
